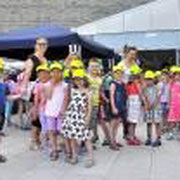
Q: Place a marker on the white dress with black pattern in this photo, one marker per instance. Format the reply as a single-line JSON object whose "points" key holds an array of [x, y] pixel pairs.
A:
{"points": [[73, 126]]}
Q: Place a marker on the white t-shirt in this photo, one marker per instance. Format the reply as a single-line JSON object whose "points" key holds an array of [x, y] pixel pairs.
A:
{"points": [[126, 71], [55, 103]]}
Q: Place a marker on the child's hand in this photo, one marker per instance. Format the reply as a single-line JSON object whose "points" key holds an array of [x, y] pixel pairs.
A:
{"points": [[34, 113], [115, 111], [62, 115], [147, 107], [107, 100], [87, 123]]}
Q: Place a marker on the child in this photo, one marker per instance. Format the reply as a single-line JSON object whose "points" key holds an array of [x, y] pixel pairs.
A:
{"points": [[118, 104], [153, 113], [55, 96], [174, 102], [163, 86], [95, 81], [104, 109], [76, 123], [134, 104], [2, 102], [40, 100]]}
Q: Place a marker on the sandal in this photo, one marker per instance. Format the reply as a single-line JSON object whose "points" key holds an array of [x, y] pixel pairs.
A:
{"points": [[68, 158], [114, 147], [34, 146], [54, 156], [73, 161], [2, 159], [89, 163]]}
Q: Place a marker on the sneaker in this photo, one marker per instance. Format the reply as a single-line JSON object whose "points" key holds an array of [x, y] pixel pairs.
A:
{"points": [[148, 142], [2, 159], [114, 147], [131, 142], [157, 143], [74, 161], [119, 145], [137, 141], [105, 143], [54, 156], [34, 146], [2, 134], [95, 139], [170, 136], [89, 163]]}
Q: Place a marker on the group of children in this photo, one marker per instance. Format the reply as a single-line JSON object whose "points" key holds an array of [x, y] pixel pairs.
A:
{"points": [[70, 103]]}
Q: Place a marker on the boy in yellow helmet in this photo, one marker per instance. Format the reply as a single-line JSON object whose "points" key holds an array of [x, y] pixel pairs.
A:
{"points": [[153, 113]]}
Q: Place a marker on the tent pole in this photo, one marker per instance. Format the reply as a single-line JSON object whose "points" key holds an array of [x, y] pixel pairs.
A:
{"points": [[177, 57]]}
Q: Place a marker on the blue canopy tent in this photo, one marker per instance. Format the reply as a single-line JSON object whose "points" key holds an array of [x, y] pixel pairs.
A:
{"points": [[18, 44]]}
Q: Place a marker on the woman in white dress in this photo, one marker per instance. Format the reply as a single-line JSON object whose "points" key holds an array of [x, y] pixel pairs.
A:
{"points": [[130, 56]]}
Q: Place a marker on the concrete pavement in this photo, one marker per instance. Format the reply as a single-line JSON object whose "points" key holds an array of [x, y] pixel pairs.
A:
{"points": [[137, 163]]}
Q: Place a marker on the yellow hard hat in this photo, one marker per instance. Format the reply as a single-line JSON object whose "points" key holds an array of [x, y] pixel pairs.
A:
{"points": [[80, 73], [66, 72], [149, 75], [165, 70], [178, 70], [42, 67], [56, 65], [135, 70], [173, 69], [117, 68], [2, 63], [77, 63], [158, 73]]}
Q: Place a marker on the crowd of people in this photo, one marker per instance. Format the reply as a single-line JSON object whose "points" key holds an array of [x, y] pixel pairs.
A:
{"points": [[69, 101]]}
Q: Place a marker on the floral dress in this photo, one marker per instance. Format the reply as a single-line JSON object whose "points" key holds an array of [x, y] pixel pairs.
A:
{"points": [[73, 126]]}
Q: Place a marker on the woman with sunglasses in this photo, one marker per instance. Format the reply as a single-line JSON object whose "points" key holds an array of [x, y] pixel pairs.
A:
{"points": [[31, 65]]}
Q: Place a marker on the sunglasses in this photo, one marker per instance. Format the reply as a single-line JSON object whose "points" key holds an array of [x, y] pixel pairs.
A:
{"points": [[42, 44]]}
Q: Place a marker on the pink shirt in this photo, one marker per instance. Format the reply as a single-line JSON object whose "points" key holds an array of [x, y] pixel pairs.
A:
{"points": [[40, 99], [54, 105]]}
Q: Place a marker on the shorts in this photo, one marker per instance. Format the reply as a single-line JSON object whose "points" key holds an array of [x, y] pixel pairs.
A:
{"points": [[36, 123], [54, 124], [153, 116], [44, 124], [134, 109]]}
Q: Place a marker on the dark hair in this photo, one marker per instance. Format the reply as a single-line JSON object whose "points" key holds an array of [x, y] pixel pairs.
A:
{"points": [[127, 49], [94, 60], [86, 83], [37, 39]]}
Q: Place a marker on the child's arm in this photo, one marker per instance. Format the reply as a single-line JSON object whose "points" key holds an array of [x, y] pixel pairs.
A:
{"points": [[89, 109], [66, 99], [48, 90], [112, 93], [102, 95], [37, 95], [145, 100], [158, 97]]}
